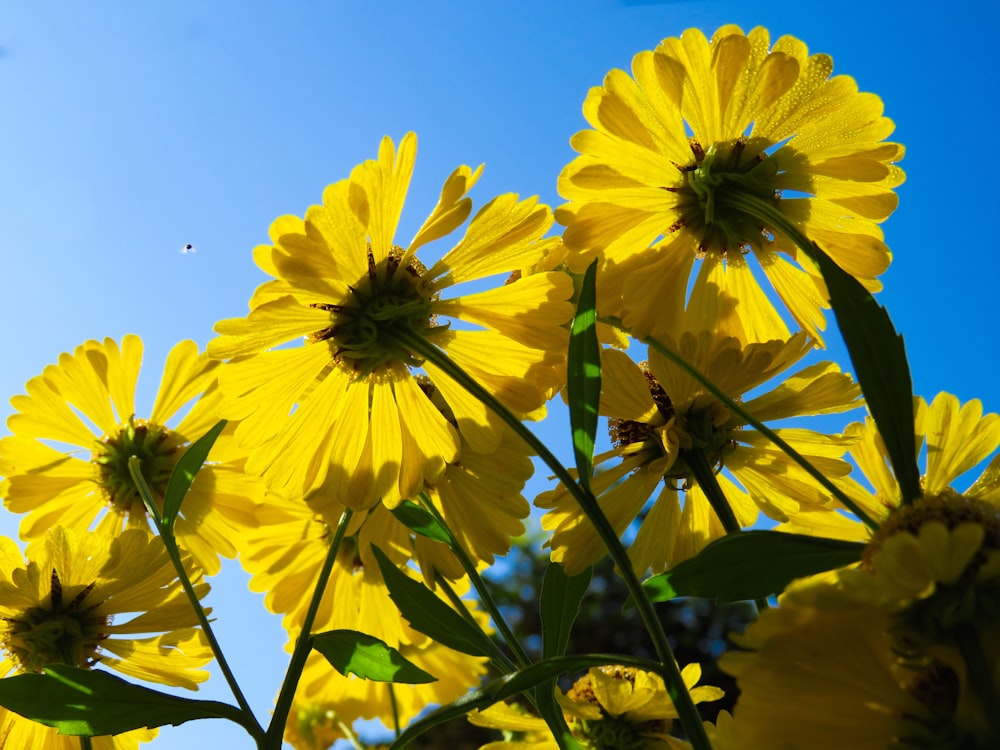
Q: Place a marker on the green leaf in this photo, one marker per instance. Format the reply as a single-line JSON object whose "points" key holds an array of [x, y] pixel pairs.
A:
{"points": [[751, 565], [428, 614], [583, 369], [509, 685], [93, 703], [880, 365], [184, 473], [558, 605], [351, 652], [420, 521]]}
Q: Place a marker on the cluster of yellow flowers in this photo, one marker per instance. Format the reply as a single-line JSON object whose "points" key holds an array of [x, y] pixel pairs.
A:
{"points": [[343, 394]]}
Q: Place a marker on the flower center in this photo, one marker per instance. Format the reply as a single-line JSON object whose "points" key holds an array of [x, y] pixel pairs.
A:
{"points": [[149, 442], [610, 732], [62, 632], [392, 296], [702, 427], [711, 191]]}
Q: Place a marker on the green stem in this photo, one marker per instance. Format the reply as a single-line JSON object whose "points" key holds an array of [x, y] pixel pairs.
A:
{"points": [[697, 461], [706, 477], [668, 669], [395, 710], [303, 644], [498, 658], [485, 597], [756, 424], [252, 726], [85, 743]]}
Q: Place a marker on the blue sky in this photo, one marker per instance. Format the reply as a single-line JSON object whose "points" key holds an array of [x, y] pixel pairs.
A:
{"points": [[130, 130]]}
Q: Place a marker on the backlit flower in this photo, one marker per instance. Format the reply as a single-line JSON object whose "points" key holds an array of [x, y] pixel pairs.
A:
{"points": [[661, 419], [66, 463], [343, 416], [683, 146], [95, 600]]}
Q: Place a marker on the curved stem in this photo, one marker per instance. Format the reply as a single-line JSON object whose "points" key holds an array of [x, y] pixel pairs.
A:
{"points": [[749, 419], [252, 726], [303, 644], [485, 597], [668, 668]]}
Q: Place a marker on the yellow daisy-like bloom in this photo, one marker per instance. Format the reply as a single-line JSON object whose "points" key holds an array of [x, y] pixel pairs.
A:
{"points": [[343, 416], [957, 438], [825, 677], [85, 404], [695, 132], [661, 419], [59, 607], [609, 708]]}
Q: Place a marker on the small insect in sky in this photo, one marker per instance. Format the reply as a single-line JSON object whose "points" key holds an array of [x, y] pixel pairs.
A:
{"points": [[188, 249]]}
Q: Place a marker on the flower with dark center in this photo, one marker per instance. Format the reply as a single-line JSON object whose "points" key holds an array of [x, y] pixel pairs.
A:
{"points": [[342, 417], [666, 430], [692, 153]]}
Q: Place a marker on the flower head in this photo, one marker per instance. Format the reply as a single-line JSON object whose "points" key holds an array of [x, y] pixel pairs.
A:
{"points": [[609, 708], [823, 676], [60, 607], [663, 423], [686, 150], [85, 404], [343, 415]]}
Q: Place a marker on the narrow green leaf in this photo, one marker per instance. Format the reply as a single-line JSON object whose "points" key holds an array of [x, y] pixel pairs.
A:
{"points": [[879, 359], [185, 471], [751, 565], [420, 521], [428, 614], [351, 652], [510, 685], [92, 703], [558, 605], [583, 369]]}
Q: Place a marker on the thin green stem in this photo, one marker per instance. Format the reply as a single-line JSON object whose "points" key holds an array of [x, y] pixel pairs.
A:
{"points": [[708, 480], [686, 709], [498, 658], [485, 596], [252, 726], [749, 419], [303, 644], [85, 743], [395, 710], [704, 474]]}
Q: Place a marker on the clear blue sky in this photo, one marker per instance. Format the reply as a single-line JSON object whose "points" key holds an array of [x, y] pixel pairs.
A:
{"points": [[131, 129]]}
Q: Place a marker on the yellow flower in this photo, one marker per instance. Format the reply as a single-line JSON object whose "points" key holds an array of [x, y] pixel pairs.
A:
{"points": [[824, 677], [60, 606], [343, 415], [661, 419], [695, 132], [313, 726], [957, 437], [89, 600], [86, 404], [609, 708]]}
